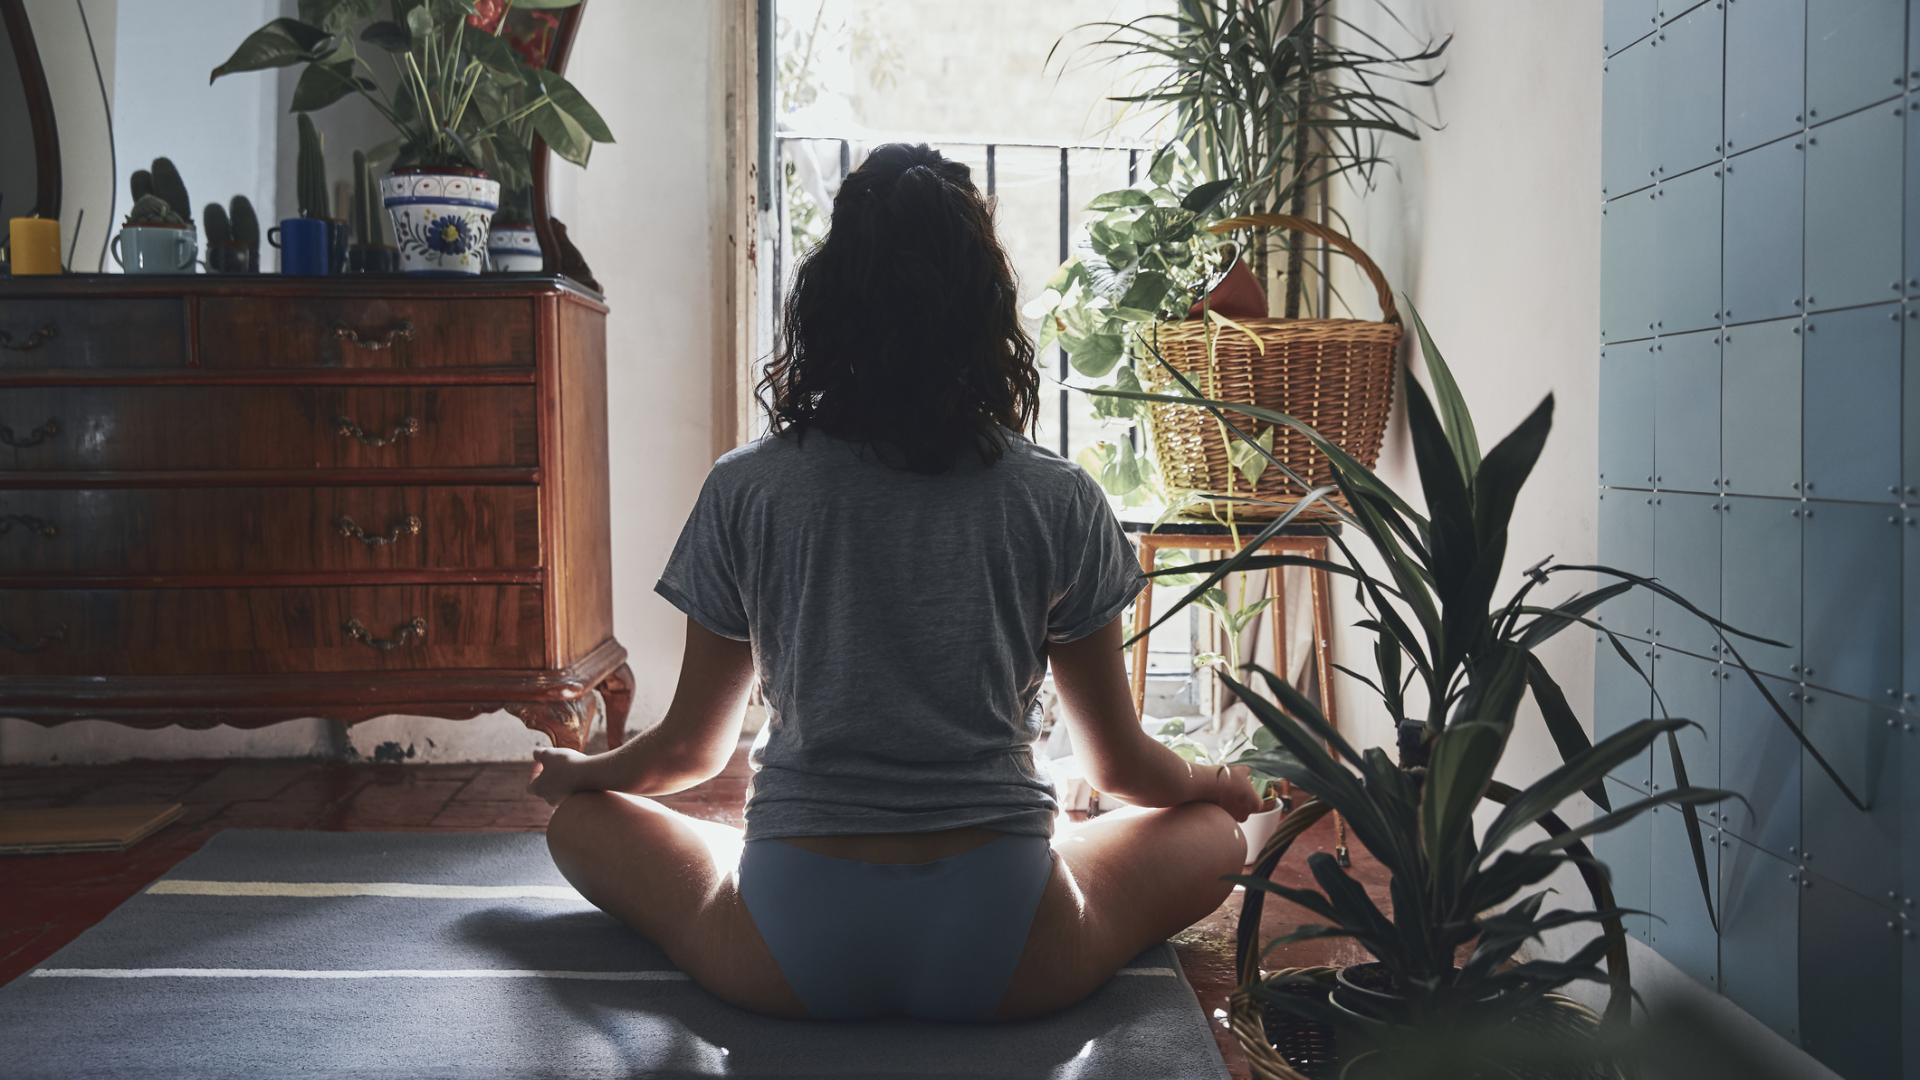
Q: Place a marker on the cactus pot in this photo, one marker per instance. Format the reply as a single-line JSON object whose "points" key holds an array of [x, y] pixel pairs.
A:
{"points": [[514, 249], [440, 218]]}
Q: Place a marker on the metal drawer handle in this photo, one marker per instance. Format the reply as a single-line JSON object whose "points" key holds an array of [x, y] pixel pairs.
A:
{"points": [[33, 526], [408, 526], [40, 644], [375, 341], [32, 438], [32, 341], [344, 426], [414, 629]]}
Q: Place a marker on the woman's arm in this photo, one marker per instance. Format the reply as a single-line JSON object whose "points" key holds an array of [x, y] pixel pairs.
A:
{"points": [[1118, 757], [688, 747]]}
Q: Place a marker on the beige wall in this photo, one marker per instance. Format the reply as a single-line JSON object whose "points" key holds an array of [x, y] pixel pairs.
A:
{"points": [[646, 216], [1490, 226]]}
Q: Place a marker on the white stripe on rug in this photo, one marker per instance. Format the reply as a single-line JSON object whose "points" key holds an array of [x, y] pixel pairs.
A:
{"points": [[403, 973], [329, 889]]}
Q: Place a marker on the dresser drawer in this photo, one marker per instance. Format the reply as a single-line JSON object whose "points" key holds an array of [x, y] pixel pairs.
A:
{"points": [[354, 332], [38, 335], [145, 531], [213, 631], [252, 428]]}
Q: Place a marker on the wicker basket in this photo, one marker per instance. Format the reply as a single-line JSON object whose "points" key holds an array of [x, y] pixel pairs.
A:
{"points": [[1335, 375]]}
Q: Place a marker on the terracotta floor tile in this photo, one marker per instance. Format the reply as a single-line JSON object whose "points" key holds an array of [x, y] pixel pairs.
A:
{"points": [[497, 782], [516, 815], [245, 781], [406, 804]]}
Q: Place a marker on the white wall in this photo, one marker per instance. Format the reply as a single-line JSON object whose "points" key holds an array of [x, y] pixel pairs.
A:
{"points": [[647, 215], [1490, 225]]}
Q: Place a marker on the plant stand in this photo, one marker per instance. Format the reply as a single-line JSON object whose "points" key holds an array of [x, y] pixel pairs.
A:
{"points": [[1310, 540]]}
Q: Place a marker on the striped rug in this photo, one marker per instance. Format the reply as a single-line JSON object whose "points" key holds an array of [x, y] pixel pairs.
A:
{"points": [[301, 954]]}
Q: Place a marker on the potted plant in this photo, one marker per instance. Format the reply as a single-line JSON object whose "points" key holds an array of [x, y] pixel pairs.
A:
{"points": [[369, 253], [158, 235], [311, 191], [1447, 992], [461, 88]]}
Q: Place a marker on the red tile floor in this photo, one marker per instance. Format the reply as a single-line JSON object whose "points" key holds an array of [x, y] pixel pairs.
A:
{"points": [[47, 900]]}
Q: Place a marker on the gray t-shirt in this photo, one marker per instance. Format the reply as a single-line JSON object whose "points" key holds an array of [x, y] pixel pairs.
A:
{"points": [[899, 624]]}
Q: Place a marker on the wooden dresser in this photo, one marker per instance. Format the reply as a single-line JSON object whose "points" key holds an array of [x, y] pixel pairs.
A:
{"points": [[238, 500]]}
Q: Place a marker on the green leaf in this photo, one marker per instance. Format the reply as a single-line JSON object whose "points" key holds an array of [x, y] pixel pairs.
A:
{"points": [[321, 85], [281, 43], [1117, 199], [1249, 459], [1145, 294], [388, 36], [1206, 196], [1464, 757], [1569, 737], [569, 101], [1097, 356], [1570, 777], [336, 15], [1497, 483], [562, 134], [1453, 406], [1161, 169]]}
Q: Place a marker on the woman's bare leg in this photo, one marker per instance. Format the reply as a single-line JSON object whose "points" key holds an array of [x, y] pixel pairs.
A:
{"points": [[671, 877], [1121, 883]]}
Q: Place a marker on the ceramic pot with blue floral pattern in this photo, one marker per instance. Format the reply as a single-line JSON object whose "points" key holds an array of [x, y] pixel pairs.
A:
{"points": [[515, 249], [440, 218]]}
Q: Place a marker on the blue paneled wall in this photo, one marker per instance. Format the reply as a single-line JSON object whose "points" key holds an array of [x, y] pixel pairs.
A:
{"points": [[1760, 453]]}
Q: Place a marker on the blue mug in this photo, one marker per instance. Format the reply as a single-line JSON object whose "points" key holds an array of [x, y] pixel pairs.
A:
{"points": [[306, 249]]}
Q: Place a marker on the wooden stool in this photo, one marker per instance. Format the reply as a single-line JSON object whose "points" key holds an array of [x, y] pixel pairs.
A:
{"points": [[1310, 540]]}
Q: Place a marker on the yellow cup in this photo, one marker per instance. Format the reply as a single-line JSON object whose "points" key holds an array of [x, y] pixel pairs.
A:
{"points": [[35, 245]]}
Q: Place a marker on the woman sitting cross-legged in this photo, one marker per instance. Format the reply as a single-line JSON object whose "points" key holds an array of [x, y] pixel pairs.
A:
{"points": [[898, 566]]}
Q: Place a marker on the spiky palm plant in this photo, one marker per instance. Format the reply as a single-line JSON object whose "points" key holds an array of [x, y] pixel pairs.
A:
{"points": [[1458, 890], [1286, 95]]}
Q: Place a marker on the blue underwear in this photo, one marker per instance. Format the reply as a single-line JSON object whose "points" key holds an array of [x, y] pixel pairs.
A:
{"points": [[933, 941]]}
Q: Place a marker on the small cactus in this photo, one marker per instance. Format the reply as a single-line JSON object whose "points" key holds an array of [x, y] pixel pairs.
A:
{"points": [[361, 213], [153, 210], [142, 184], [310, 171], [213, 218], [245, 224], [168, 185]]}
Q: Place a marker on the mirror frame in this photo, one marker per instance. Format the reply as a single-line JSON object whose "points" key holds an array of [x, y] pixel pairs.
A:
{"points": [[553, 261], [46, 138]]}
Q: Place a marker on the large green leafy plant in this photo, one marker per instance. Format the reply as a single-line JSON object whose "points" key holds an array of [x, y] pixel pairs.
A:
{"points": [[1452, 664], [462, 96], [1285, 95]]}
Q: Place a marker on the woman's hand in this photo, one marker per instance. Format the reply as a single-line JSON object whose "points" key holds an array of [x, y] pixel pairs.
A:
{"points": [[1233, 791], [558, 773]]}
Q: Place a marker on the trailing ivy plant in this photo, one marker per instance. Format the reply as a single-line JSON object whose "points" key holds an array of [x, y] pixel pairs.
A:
{"points": [[1452, 663], [1144, 257]]}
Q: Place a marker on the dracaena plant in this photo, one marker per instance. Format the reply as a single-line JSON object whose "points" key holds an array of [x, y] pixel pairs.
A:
{"points": [[463, 94], [1452, 666]]}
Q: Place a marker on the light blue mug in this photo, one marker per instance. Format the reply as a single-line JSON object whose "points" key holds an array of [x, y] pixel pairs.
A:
{"points": [[156, 249]]}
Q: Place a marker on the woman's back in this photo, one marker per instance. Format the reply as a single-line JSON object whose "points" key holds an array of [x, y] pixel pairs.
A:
{"points": [[899, 622]]}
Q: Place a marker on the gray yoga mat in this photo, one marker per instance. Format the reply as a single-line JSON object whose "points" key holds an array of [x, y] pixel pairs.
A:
{"points": [[518, 977]]}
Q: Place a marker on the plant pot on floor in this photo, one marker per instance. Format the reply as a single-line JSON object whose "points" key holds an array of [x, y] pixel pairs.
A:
{"points": [[441, 218]]}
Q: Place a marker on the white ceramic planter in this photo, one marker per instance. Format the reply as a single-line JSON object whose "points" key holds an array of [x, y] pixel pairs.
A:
{"points": [[514, 249], [440, 220], [1259, 828]]}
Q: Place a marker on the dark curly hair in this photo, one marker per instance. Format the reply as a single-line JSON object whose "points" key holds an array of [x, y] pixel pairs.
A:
{"points": [[901, 332]]}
